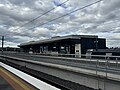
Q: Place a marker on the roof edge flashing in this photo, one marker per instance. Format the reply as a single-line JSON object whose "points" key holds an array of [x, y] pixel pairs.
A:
{"points": [[56, 38]]}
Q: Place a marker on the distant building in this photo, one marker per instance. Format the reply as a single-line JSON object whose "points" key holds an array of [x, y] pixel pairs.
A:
{"points": [[72, 44], [10, 49]]}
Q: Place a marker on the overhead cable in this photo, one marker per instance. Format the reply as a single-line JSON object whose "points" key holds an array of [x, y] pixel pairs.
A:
{"points": [[68, 13], [41, 15]]}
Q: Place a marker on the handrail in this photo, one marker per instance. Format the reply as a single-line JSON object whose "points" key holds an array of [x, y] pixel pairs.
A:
{"points": [[71, 55]]}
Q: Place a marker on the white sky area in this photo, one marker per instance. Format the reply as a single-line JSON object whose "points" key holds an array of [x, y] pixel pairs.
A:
{"points": [[102, 19]]}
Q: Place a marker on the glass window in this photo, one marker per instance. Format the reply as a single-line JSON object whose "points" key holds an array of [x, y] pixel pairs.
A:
{"points": [[45, 48], [62, 47]]}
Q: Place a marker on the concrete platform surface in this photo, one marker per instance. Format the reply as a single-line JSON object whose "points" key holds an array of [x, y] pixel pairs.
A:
{"points": [[19, 80], [4, 85]]}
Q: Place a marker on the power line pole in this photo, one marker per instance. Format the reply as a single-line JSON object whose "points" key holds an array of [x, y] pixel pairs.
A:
{"points": [[2, 43]]}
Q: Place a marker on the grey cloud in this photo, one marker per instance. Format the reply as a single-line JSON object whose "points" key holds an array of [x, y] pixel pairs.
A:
{"points": [[101, 19], [26, 3], [109, 6], [16, 15]]}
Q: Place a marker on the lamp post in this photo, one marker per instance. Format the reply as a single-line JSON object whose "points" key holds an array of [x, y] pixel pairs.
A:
{"points": [[2, 43]]}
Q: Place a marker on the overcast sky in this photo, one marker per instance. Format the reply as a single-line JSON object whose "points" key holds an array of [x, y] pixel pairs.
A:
{"points": [[102, 19]]}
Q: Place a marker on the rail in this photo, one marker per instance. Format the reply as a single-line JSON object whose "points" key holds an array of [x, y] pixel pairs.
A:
{"points": [[111, 57]]}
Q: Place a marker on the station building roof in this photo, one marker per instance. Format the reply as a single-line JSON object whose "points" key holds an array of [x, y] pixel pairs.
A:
{"points": [[57, 38]]}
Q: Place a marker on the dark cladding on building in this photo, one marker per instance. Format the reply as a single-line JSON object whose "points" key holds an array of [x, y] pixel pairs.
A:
{"points": [[72, 44]]}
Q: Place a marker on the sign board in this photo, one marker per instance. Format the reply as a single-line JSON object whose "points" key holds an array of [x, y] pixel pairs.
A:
{"points": [[78, 50]]}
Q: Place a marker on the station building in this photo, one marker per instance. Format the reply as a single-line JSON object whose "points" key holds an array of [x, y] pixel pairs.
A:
{"points": [[71, 44]]}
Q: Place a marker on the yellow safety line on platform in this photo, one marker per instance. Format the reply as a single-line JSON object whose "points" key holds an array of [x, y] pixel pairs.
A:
{"points": [[17, 81]]}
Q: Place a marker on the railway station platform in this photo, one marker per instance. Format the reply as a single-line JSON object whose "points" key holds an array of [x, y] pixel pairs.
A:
{"points": [[9, 81], [13, 79]]}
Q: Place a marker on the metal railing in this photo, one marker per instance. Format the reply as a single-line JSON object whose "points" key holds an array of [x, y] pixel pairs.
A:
{"points": [[96, 62]]}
